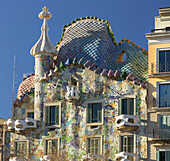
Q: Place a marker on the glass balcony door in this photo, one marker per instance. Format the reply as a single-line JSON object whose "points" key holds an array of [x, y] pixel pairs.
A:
{"points": [[164, 61]]}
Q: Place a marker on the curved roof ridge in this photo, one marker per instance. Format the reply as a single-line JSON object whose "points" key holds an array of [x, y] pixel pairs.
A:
{"points": [[145, 52]]}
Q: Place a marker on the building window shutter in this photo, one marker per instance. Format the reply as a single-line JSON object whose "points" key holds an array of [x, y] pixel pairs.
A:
{"points": [[47, 115], [89, 113], [167, 155], [119, 107], [131, 104], [99, 112], [157, 156], [49, 147], [57, 115]]}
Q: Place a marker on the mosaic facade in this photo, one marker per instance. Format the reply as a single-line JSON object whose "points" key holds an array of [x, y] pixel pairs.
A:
{"points": [[74, 130]]}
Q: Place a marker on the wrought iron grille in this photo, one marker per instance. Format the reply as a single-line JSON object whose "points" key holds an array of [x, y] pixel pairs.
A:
{"points": [[161, 133], [160, 67], [161, 102]]}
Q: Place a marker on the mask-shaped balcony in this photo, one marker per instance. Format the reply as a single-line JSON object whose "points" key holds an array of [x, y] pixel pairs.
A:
{"points": [[125, 156], [46, 158], [127, 122], [72, 93], [10, 124], [20, 125], [17, 159], [31, 123]]}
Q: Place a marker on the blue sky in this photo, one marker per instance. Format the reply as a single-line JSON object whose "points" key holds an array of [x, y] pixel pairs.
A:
{"points": [[20, 29]]}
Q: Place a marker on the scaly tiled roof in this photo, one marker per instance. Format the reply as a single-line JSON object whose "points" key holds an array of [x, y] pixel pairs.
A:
{"points": [[92, 39], [27, 84]]}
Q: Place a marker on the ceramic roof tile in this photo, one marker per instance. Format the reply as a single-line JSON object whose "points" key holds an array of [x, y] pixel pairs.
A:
{"points": [[25, 86]]}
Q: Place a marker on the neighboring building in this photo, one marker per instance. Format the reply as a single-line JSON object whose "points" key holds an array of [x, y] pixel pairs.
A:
{"points": [[86, 100], [2, 133], [159, 88]]}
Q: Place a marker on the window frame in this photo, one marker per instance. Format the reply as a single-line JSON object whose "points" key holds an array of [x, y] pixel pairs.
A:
{"points": [[157, 93], [102, 113], [27, 147], [101, 143], [127, 97], [51, 139], [157, 58], [134, 141], [44, 116], [158, 153], [29, 111]]}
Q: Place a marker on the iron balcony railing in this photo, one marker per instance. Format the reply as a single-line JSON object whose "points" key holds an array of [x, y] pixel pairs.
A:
{"points": [[161, 102], [160, 67], [161, 133], [162, 29]]}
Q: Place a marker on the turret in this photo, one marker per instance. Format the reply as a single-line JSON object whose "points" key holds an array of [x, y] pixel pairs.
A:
{"points": [[43, 51]]}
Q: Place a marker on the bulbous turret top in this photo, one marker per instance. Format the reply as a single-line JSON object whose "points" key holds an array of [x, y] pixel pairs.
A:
{"points": [[44, 45]]}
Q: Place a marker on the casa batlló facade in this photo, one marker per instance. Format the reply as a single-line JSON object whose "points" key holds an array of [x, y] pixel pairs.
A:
{"points": [[87, 99]]}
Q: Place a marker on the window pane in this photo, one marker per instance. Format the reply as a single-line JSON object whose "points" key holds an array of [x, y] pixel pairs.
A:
{"points": [[167, 155], [161, 61], [167, 95], [162, 156], [167, 61], [95, 112], [131, 106], [162, 95], [124, 106], [21, 149], [52, 115], [94, 145], [127, 144], [30, 115]]}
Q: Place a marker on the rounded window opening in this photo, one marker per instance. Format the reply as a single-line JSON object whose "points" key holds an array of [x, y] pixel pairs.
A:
{"points": [[19, 126], [122, 57], [130, 120], [119, 121], [30, 124]]}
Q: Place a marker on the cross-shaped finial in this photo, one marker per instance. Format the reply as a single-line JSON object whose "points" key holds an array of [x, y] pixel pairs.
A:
{"points": [[45, 9]]}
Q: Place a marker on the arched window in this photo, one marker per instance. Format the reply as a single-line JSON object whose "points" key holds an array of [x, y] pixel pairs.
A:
{"points": [[122, 57]]}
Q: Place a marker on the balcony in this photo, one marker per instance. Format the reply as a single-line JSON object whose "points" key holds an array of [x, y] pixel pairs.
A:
{"points": [[17, 159], [72, 93], [161, 102], [127, 122], [161, 135], [10, 124], [21, 125], [160, 68], [31, 123], [46, 158], [125, 156]]}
